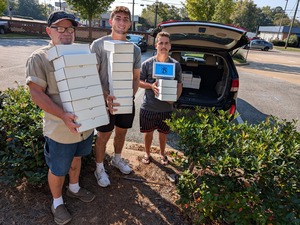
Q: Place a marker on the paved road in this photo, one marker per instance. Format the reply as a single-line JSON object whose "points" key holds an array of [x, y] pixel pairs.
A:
{"points": [[270, 85]]}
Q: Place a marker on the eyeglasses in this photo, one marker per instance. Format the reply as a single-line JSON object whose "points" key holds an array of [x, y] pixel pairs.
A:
{"points": [[70, 30]]}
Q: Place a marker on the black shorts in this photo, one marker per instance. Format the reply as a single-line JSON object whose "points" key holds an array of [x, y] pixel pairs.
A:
{"points": [[150, 121], [124, 121]]}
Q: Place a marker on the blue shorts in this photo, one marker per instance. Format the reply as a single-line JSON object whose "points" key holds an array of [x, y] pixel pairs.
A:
{"points": [[59, 156]]}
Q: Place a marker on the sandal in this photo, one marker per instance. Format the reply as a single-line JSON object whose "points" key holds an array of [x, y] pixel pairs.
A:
{"points": [[146, 159], [164, 160]]}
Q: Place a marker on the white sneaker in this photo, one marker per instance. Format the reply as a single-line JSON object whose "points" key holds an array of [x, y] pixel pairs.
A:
{"points": [[122, 165], [102, 178]]}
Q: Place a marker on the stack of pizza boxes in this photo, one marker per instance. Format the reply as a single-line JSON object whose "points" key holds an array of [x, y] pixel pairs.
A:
{"points": [[190, 81], [79, 84], [167, 90], [120, 70]]}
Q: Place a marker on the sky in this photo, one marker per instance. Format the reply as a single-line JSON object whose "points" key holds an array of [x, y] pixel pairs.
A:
{"points": [[290, 9]]}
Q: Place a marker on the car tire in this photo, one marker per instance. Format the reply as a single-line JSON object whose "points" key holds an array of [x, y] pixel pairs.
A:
{"points": [[2, 31], [266, 49]]}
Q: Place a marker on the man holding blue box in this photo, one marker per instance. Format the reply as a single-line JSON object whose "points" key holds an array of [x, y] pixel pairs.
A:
{"points": [[153, 110]]}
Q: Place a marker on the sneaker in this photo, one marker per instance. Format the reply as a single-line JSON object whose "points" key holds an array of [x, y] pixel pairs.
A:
{"points": [[83, 195], [61, 214], [122, 165], [102, 178]]}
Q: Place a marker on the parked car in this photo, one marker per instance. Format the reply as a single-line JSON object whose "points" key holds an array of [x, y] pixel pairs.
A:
{"points": [[4, 28], [260, 44], [204, 50], [138, 40]]}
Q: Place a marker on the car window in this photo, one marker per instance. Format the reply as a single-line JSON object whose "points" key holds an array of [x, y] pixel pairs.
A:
{"points": [[133, 38]]}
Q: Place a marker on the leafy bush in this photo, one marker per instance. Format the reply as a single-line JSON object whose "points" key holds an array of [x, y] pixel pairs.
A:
{"points": [[21, 139], [237, 173]]}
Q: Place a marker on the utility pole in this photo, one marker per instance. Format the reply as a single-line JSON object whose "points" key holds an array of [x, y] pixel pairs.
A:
{"points": [[156, 11], [9, 9], [292, 23], [283, 13], [132, 16]]}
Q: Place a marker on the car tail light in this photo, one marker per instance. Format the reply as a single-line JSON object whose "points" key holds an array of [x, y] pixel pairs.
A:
{"points": [[232, 109], [234, 85]]}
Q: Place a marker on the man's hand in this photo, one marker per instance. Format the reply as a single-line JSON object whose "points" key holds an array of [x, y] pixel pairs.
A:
{"points": [[155, 88], [111, 104], [69, 120]]}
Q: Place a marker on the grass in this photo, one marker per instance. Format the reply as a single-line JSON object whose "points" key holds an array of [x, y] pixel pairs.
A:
{"points": [[14, 35], [287, 49]]}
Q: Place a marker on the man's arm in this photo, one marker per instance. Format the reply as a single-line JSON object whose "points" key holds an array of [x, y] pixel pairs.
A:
{"points": [[45, 103]]}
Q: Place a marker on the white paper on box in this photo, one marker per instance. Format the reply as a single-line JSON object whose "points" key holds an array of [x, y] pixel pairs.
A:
{"points": [[117, 84], [74, 60], [82, 104], [119, 66], [165, 97], [80, 93], [91, 112], [59, 50], [121, 57], [75, 71], [167, 90], [93, 123], [117, 46], [78, 82], [122, 92], [123, 110], [167, 83], [121, 75], [124, 101]]}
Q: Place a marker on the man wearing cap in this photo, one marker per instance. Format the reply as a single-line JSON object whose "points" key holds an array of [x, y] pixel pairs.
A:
{"points": [[64, 145]]}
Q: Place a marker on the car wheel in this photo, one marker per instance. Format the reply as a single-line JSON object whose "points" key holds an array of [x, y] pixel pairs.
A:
{"points": [[2, 31], [266, 49]]}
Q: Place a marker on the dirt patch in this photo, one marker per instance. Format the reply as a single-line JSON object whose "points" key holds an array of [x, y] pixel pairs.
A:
{"points": [[147, 196]]}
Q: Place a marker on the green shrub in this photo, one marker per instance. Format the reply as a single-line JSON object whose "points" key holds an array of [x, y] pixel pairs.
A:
{"points": [[237, 173], [21, 139]]}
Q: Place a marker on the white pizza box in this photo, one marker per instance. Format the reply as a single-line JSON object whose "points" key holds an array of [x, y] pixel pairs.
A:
{"points": [[167, 90], [122, 92], [124, 101], [166, 97], [90, 112], [117, 84], [86, 103], [187, 84], [92, 123], [59, 50], [117, 46], [123, 110], [187, 75], [119, 66], [80, 93], [74, 60], [78, 82], [123, 75], [167, 83], [121, 57], [75, 71]]}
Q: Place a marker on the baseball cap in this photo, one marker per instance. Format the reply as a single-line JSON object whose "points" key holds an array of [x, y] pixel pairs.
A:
{"points": [[58, 16]]}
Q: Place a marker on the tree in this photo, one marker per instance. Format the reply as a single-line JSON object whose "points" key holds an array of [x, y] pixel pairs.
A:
{"points": [[90, 9], [30, 8], [245, 15], [3, 6], [165, 12], [201, 9], [223, 10]]}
